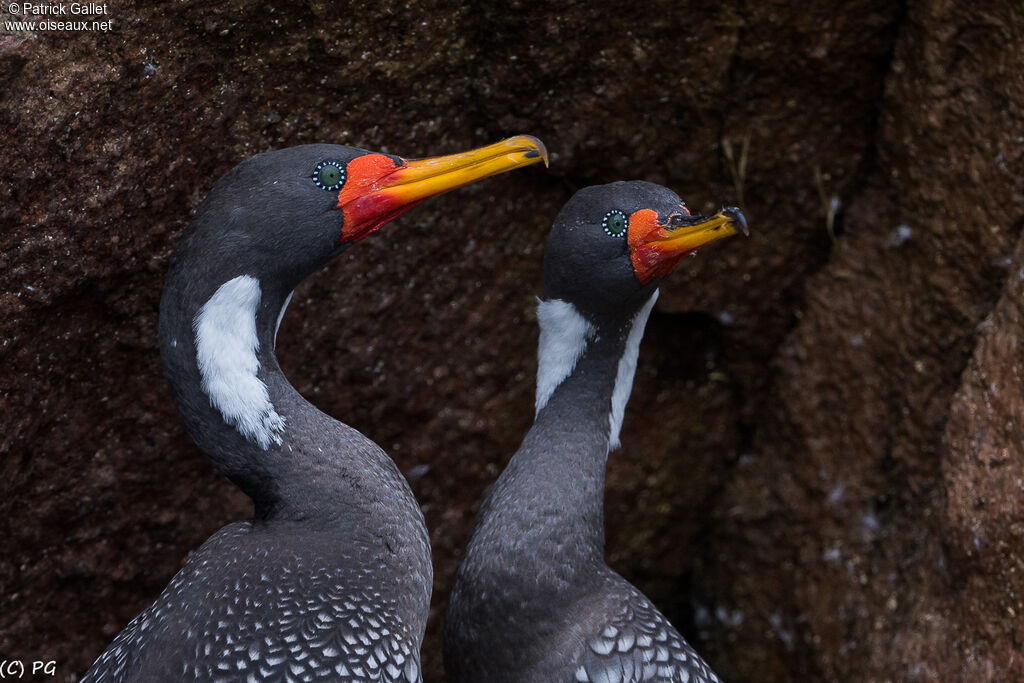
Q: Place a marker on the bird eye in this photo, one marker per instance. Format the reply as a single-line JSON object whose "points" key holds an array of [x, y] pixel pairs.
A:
{"points": [[329, 175], [614, 223]]}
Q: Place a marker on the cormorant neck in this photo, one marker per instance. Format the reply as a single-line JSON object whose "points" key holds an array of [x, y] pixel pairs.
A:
{"points": [[553, 489], [217, 336]]}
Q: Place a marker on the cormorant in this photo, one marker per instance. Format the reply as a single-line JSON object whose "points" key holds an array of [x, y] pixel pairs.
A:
{"points": [[533, 598], [331, 578]]}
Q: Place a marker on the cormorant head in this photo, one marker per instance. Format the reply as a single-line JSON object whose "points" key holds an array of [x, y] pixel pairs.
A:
{"points": [[280, 215], [612, 244]]}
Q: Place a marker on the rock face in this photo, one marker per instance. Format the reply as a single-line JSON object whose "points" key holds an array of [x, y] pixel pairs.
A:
{"points": [[835, 488]]}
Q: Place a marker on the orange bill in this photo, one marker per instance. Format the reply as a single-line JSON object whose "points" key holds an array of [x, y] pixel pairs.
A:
{"points": [[380, 188]]}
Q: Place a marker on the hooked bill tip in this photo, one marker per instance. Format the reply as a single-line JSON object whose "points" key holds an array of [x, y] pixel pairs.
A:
{"points": [[738, 219], [539, 150]]}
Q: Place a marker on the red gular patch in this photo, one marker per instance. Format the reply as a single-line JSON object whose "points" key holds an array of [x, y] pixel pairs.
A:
{"points": [[649, 259], [364, 200]]}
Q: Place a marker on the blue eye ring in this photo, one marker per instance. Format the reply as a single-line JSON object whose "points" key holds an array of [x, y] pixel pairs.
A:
{"points": [[615, 223], [329, 175]]}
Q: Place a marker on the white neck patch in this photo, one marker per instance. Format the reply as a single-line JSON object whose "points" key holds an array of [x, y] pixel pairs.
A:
{"points": [[564, 334], [626, 371], [226, 346]]}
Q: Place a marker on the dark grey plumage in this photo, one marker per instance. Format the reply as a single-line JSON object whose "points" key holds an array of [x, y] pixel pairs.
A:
{"points": [[269, 612], [331, 578], [533, 599]]}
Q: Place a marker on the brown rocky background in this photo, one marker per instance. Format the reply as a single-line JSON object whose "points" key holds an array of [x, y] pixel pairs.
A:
{"points": [[833, 488]]}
